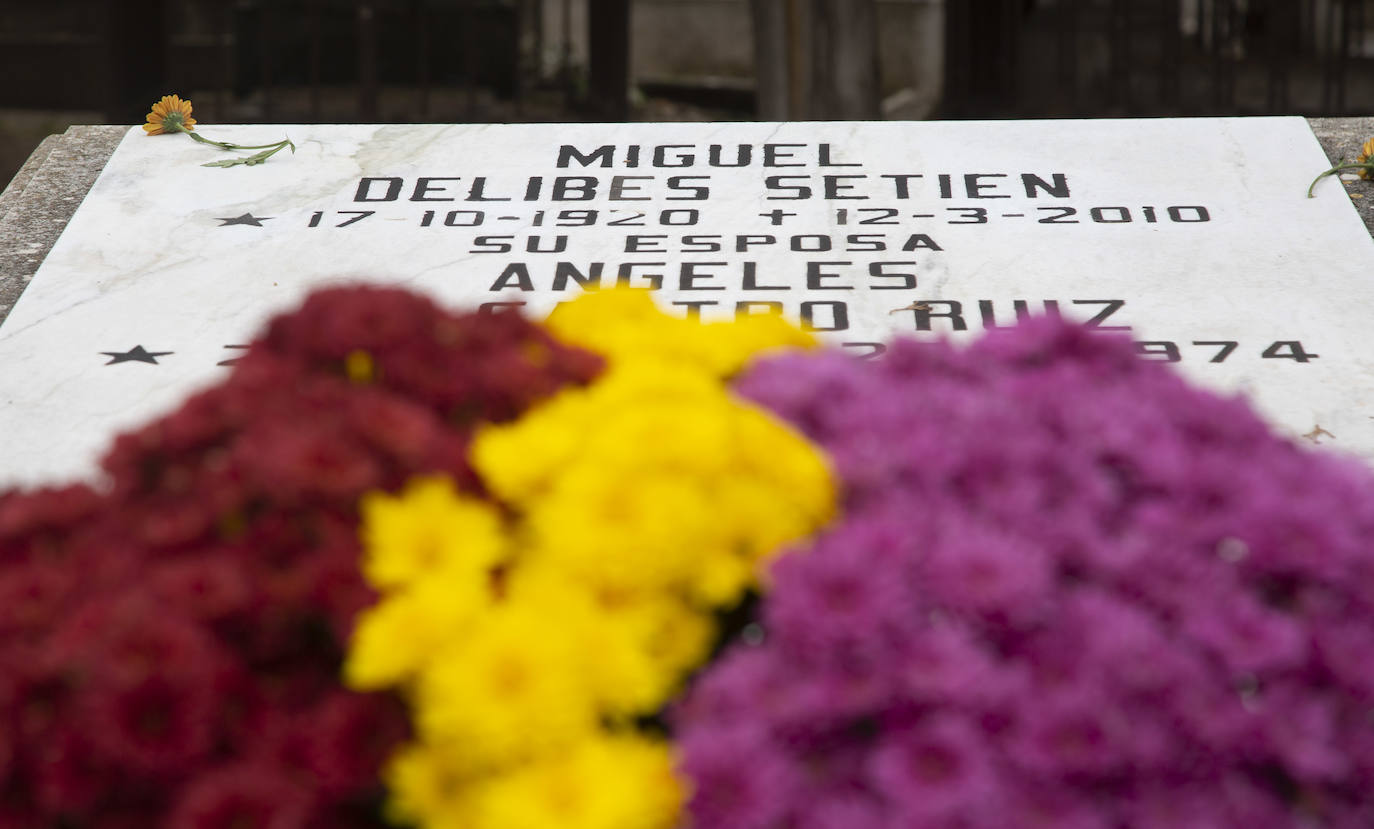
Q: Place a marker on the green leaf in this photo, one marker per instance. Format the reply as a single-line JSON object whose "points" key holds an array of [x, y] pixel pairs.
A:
{"points": [[250, 161]]}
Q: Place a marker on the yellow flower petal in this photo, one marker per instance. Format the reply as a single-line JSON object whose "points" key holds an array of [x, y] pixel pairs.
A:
{"points": [[171, 114], [1366, 154]]}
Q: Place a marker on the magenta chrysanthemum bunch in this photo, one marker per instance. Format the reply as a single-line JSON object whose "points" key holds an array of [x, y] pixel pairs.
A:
{"points": [[1070, 591]]}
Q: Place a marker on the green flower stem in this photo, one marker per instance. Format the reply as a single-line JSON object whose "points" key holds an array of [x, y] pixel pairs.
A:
{"points": [[1368, 165], [256, 158], [226, 145], [268, 150]]}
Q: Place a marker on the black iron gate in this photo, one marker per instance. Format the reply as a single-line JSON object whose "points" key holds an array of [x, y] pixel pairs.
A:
{"points": [[1031, 58], [300, 60]]}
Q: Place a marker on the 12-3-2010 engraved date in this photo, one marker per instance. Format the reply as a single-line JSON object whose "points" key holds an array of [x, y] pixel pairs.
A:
{"points": [[1053, 215]]}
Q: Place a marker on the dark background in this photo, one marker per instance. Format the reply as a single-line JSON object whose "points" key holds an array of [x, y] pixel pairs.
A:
{"points": [[293, 61]]}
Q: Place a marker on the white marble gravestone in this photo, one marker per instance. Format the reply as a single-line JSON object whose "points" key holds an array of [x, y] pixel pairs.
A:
{"points": [[1195, 234]]}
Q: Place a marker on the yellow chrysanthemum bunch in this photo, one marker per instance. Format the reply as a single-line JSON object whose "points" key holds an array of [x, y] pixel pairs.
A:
{"points": [[529, 640]]}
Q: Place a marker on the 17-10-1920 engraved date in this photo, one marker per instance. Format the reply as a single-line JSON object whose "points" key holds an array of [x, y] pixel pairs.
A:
{"points": [[843, 216]]}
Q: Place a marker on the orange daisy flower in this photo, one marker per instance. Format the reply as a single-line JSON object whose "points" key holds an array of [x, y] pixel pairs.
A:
{"points": [[171, 114], [1365, 156]]}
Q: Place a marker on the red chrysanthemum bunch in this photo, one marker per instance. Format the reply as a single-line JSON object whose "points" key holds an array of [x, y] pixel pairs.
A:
{"points": [[170, 648]]}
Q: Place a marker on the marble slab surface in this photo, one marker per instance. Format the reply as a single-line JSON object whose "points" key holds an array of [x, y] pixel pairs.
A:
{"points": [[1193, 233]]}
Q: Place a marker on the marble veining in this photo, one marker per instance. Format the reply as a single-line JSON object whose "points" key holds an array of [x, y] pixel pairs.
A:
{"points": [[834, 235]]}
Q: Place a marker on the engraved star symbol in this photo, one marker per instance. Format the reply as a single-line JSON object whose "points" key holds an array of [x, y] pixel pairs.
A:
{"points": [[138, 354], [245, 219]]}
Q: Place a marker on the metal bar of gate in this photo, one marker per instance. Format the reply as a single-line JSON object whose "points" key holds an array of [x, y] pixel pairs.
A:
{"points": [[537, 25], [420, 21], [1117, 59], [1170, 55], [1223, 90], [565, 52], [314, 34], [956, 61], [794, 42], [1066, 53], [1343, 55], [469, 25], [608, 60], [366, 15], [518, 88], [1278, 54], [224, 25], [1328, 62], [1310, 35], [265, 29], [1012, 15], [1360, 24]]}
